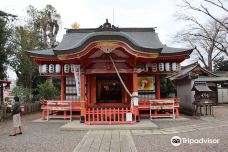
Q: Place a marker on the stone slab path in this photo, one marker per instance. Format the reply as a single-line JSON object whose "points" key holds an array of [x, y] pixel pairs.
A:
{"points": [[107, 141], [185, 128]]}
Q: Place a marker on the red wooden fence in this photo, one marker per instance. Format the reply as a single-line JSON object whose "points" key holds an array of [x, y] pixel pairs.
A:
{"points": [[109, 116]]}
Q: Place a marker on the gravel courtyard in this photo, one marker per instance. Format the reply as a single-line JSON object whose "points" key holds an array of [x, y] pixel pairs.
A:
{"points": [[47, 137], [162, 142], [43, 137]]}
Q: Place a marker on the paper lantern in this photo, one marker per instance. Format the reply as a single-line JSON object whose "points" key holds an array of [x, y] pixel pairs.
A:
{"points": [[167, 66], [154, 67], [174, 66], [44, 68], [57, 68], [66, 68], [40, 68], [51, 68], [72, 68], [161, 67]]}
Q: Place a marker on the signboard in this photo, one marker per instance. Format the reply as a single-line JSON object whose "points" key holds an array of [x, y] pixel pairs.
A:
{"points": [[146, 83], [77, 79], [128, 116]]}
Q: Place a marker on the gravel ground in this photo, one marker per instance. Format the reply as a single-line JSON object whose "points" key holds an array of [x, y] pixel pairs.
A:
{"points": [[149, 143], [44, 137]]}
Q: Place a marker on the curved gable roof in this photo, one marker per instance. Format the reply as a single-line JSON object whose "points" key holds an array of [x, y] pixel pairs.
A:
{"points": [[144, 40]]}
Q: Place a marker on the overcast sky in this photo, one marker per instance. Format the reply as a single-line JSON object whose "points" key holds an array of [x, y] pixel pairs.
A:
{"points": [[92, 13]]}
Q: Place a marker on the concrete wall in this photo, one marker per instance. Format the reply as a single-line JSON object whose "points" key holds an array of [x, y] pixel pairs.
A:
{"points": [[186, 95]]}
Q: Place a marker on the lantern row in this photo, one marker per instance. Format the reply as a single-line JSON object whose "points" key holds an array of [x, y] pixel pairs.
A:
{"points": [[163, 66], [55, 68]]}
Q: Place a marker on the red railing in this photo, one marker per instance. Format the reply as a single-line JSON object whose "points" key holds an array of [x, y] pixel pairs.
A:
{"points": [[75, 107], [110, 116], [145, 106]]}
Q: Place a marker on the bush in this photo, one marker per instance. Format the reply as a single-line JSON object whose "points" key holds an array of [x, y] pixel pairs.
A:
{"points": [[47, 91]]}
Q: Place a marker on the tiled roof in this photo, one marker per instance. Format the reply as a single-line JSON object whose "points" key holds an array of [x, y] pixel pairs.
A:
{"points": [[141, 39], [201, 87], [211, 79]]}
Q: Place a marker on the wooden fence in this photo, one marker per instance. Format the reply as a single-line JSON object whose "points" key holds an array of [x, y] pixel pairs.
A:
{"points": [[31, 107], [26, 109], [109, 116]]}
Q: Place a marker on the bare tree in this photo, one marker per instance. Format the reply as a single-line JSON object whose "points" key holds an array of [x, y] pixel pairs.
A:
{"points": [[203, 38], [222, 42]]}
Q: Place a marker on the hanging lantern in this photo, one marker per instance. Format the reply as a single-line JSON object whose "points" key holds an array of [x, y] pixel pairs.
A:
{"points": [[40, 68], [57, 68], [161, 67], [51, 68], [174, 66], [66, 68], [72, 68], [44, 68], [167, 66], [154, 67]]}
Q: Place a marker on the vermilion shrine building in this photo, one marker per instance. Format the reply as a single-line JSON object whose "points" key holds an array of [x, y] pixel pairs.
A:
{"points": [[104, 97]]}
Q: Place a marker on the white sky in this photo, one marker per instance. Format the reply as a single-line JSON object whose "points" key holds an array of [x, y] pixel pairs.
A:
{"points": [[92, 13]]}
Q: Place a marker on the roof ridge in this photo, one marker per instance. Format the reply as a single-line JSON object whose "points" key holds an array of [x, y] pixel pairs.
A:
{"points": [[133, 29], [192, 64]]}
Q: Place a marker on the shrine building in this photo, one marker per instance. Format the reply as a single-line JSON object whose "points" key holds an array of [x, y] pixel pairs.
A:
{"points": [[110, 75]]}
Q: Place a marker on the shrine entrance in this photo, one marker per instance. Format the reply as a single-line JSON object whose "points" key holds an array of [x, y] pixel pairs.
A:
{"points": [[109, 89]]}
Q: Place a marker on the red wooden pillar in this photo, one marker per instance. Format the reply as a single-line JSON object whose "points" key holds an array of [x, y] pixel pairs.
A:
{"points": [[82, 99], [93, 90], [135, 82], [158, 84], [125, 96], [62, 88], [158, 94], [135, 89]]}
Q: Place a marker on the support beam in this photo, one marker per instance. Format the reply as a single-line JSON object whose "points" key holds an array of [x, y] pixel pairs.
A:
{"points": [[135, 82], [62, 87], [135, 90], [82, 98], [158, 84], [93, 89]]}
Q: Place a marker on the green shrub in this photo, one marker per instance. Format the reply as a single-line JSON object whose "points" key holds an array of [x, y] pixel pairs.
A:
{"points": [[47, 91]]}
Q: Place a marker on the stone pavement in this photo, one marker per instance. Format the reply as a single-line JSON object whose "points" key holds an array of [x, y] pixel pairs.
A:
{"points": [[76, 125], [122, 140], [106, 141], [209, 124]]}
